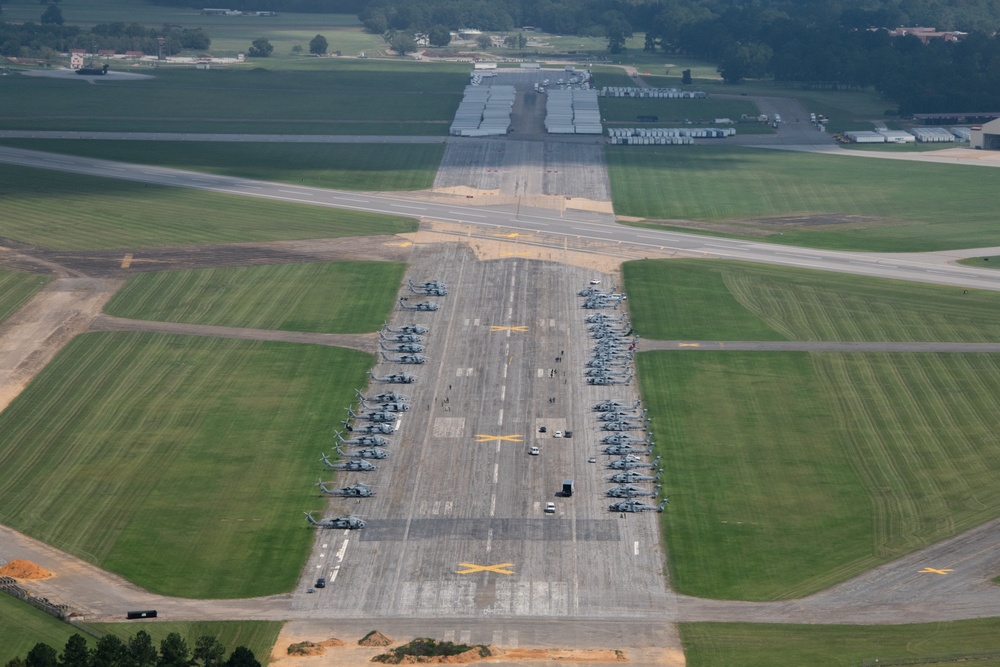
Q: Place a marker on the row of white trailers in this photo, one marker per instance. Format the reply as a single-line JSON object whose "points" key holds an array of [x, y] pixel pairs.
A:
{"points": [[670, 135], [572, 112], [484, 111], [666, 93], [921, 134]]}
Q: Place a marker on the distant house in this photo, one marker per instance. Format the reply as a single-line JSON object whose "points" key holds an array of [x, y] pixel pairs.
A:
{"points": [[927, 34]]}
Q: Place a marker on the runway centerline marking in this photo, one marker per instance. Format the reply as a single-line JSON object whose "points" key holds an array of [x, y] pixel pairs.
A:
{"points": [[127, 261], [931, 570], [688, 344], [499, 568], [482, 437]]}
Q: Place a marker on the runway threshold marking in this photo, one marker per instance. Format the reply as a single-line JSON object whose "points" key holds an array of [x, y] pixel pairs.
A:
{"points": [[482, 437], [499, 568], [519, 328], [688, 344], [127, 261], [931, 570]]}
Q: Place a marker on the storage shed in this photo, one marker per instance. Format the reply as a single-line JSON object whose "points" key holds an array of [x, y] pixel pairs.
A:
{"points": [[986, 136]]}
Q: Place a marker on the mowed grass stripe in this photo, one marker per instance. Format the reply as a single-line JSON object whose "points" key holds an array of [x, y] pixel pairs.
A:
{"points": [[341, 166], [699, 299], [770, 645], [341, 297], [180, 463], [16, 288], [789, 472], [78, 212], [917, 205]]}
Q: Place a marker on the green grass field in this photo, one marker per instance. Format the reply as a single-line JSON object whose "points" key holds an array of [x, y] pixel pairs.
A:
{"points": [[372, 96], [341, 297], [985, 262], [789, 472], [181, 463], [24, 626], [66, 211], [901, 207], [16, 288], [763, 645], [339, 166], [728, 300]]}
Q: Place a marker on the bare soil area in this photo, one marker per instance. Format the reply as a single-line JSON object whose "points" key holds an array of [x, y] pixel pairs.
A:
{"points": [[24, 569]]}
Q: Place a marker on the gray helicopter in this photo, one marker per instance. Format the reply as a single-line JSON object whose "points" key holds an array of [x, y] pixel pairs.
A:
{"points": [[604, 406], [430, 288], [377, 417], [605, 381], [636, 506], [403, 347], [630, 477], [352, 491], [618, 450], [348, 522], [630, 491], [362, 440], [394, 378], [386, 406], [426, 306], [623, 426], [620, 415], [407, 359], [629, 462], [355, 465], [386, 397], [380, 427], [368, 453], [407, 329], [401, 338], [625, 439]]}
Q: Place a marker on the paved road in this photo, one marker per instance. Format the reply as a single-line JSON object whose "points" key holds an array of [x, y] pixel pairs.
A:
{"points": [[578, 224], [646, 345]]}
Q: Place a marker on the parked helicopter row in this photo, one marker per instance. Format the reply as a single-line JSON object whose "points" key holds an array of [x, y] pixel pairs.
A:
{"points": [[612, 364], [377, 416]]}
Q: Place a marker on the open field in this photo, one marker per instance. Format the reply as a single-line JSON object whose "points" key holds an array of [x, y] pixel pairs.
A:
{"points": [[789, 472], [72, 211], [258, 636], [24, 626], [366, 93], [16, 288], [982, 262], [762, 645], [728, 300], [181, 463], [341, 297], [804, 199], [337, 166]]}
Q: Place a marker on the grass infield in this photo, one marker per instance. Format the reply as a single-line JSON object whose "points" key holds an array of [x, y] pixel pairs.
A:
{"points": [[341, 297], [729, 300], [16, 288], [789, 472], [181, 463], [24, 626], [338, 166], [66, 211], [764, 645], [826, 201]]}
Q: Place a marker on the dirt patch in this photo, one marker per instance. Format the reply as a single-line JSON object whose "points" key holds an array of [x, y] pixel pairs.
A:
{"points": [[574, 655], [375, 638], [308, 648], [24, 569], [769, 226]]}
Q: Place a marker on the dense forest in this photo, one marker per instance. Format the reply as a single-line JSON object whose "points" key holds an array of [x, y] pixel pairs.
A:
{"points": [[137, 651], [832, 45]]}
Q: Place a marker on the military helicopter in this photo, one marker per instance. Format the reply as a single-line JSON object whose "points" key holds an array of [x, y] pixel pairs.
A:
{"points": [[629, 462], [353, 491], [604, 406], [631, 476], [370, 453], [636, 506], [606, 381], [619, 415], [407, 329], [390, 397], [598, 318], [623, 425], [361, 440], [386, 407], [348, 522], [394, 378], [624, 439], [402, 347], [432, 288], [378, 417], [401, 338], [380, 427], [356, 465], [427, 306], [630, 491], [616, 450], [407, 359]]}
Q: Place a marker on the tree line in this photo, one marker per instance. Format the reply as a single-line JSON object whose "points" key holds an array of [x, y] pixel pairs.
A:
{"points": [[138, 651], [31, 39]]}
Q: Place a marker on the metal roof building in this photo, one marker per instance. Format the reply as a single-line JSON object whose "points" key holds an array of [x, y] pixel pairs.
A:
{"points": [[986, 136]]}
